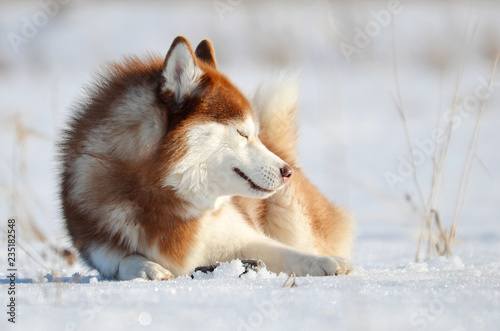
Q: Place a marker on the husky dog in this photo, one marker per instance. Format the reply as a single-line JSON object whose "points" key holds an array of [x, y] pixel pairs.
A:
{"points": [[167, 166]]}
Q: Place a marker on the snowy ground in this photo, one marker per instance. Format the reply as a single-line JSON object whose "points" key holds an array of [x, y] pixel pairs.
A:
{"points": [[352, 134]]}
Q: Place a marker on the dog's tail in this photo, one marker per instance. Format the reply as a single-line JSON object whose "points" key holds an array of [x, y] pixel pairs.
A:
{"points": [[275, 101]]}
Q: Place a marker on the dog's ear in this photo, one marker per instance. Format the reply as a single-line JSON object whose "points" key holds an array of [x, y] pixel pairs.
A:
{"points": [[180, 74], [205, 52]]}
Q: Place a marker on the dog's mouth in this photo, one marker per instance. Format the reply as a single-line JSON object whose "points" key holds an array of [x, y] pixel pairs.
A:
{"points": [[252, 184]]}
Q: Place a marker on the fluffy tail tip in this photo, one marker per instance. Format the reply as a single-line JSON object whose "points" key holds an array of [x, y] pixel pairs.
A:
{"points": [[276, 99]]}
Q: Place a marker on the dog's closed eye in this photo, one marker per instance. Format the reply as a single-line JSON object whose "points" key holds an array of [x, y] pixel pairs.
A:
{"points": [[243, 134]]}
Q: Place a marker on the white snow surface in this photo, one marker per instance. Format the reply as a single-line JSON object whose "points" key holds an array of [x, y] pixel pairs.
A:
{"points": [[351, 135]]}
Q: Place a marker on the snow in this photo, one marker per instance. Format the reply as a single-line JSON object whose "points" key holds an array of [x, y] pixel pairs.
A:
{"points": [[436, 295], [351, 134]]}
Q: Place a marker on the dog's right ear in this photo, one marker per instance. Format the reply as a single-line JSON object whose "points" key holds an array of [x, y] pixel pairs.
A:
{"points": [[205, 52], [180, 74]]}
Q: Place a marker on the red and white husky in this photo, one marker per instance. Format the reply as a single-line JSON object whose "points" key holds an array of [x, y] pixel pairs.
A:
{"points": [[166, 166]]}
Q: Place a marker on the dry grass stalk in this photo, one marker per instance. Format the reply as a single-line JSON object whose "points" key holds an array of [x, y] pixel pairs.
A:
{"points": [[464, 182], [23, 202], [440, 242], [399, 104], [290, 281], [19, 190], [440, 162]]}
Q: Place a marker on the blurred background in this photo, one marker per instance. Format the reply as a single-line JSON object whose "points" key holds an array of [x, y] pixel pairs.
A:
{"points": [[362, 63]]}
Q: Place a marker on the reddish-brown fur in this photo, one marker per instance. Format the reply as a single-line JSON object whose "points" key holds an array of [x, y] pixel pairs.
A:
{"points": [[158, 210]]}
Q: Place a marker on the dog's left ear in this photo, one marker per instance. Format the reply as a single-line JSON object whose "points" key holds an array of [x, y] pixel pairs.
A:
{"points": [[205, 52], [180, 72]]}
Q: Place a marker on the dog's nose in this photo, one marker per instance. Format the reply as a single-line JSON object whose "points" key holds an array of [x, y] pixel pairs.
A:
{"points": [[286, 172]]}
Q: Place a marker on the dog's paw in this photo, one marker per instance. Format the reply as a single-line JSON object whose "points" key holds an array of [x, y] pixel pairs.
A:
{"points": [[136, 266], [154, 271], [345, 267], [314, 265]]}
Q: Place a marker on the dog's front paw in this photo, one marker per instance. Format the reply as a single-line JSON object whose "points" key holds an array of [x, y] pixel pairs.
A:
{"points": [[314, 265], [136, 266], [345, 267]]}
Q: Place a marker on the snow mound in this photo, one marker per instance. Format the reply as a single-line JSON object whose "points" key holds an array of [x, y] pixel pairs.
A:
{"points": [[441, 263]]}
